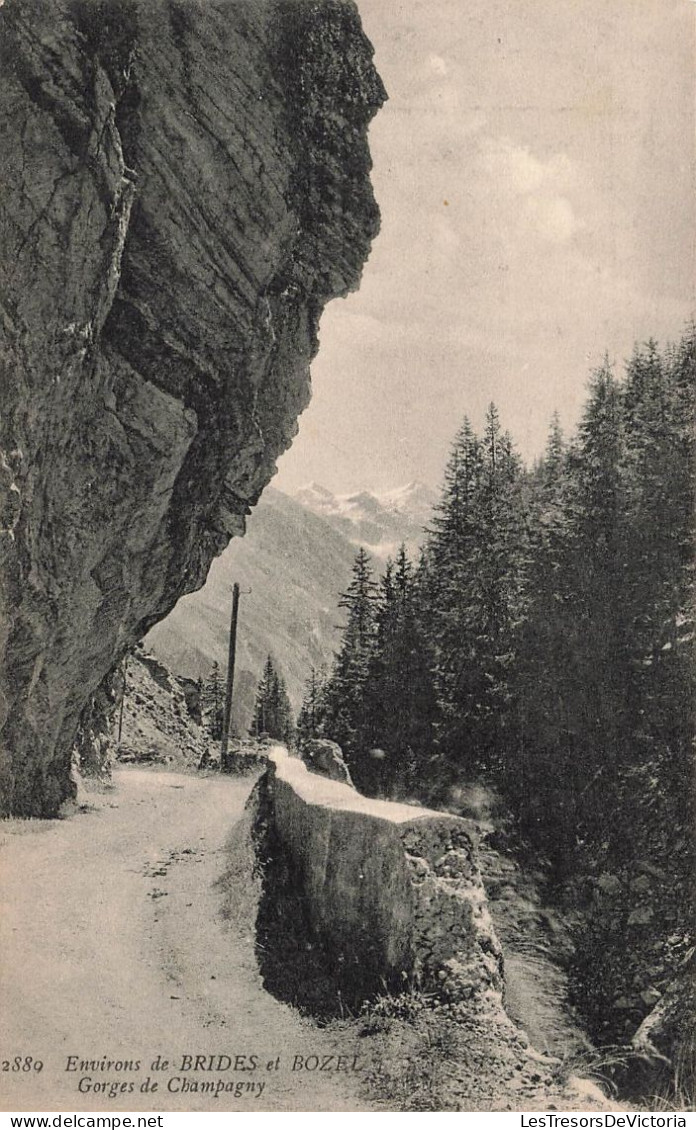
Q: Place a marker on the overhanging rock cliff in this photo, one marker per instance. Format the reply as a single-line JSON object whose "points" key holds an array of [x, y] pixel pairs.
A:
{"points": [[188, 186]]}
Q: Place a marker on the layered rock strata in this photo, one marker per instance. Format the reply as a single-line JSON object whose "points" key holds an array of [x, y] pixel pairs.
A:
{"points": [[188, 186]]}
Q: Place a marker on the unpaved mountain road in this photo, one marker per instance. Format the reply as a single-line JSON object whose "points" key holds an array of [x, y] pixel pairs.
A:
{"points": [[127, 935]]}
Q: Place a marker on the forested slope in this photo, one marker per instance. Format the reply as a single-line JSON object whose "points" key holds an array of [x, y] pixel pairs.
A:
{"points": [[544, 642]]}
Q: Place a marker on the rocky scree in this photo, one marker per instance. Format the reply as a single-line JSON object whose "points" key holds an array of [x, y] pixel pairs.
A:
{"points": [[156, 723]]}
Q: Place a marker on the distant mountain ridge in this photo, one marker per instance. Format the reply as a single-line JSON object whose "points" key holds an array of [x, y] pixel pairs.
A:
{"points": [[295, 565], [380, 521], [296, 559]]}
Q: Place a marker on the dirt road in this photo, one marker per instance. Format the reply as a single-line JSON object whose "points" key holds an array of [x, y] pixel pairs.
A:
{"points": [[127, 935]]}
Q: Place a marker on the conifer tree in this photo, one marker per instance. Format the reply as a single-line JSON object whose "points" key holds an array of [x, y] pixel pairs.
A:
{"points": [[474, 590], [212, 702], [600, 544], [400, 703], [272, 710], [543, 758], [311, 714], [344, 696], [453, 523]]}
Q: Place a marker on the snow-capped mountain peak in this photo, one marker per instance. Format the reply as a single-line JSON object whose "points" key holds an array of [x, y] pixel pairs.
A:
{"points": [[415, 499], [379, 520]]}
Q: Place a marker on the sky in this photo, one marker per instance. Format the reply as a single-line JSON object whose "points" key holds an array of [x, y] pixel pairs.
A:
{"points": [[535, 170]]}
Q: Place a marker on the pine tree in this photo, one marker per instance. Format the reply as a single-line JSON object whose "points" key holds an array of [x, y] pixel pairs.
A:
{"points": [[285, 722], [453, 523], [272, 710], [359, 602], [604, 674], [261, 703], [544, 760], [658, 570], [659, 492], [474, 591], [212, 702], [344, 696], [311, 715], [400, 699], [553, 463], [600, 546]]}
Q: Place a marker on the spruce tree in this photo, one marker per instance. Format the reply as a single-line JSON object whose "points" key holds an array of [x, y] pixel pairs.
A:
{"points": [[272, 710], [600, 546], [344, 696], [212, 703], [474, 591], [401, 702], [543, 761], [311, 715]]}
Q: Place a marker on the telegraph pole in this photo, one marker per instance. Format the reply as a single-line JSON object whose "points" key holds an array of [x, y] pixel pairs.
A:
{"points": [[230, 679], [124, 671]]}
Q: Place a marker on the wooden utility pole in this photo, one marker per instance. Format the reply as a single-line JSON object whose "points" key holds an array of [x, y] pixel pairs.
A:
{"points": [[124, 671], [230, 679]]}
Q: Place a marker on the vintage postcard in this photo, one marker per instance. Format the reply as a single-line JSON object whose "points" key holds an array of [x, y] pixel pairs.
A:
{"points": [[346, 557]]}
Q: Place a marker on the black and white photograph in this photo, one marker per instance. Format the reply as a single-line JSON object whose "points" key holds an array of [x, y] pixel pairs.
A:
{"points": [[347, 529]]}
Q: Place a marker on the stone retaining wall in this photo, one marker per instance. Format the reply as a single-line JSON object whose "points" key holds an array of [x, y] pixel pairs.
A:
{"points": [[391, 889]]}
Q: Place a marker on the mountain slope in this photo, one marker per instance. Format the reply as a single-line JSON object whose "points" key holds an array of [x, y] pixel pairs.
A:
{"points": [[295, 565]]}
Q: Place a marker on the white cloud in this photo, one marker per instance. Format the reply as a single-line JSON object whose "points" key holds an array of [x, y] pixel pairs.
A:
{"points": [[553, 217], [532, 191], [437, 64]]}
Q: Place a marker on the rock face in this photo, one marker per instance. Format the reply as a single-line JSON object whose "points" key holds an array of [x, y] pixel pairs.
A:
{"points": [[157, 724], [326, 759], [189, 187]]}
